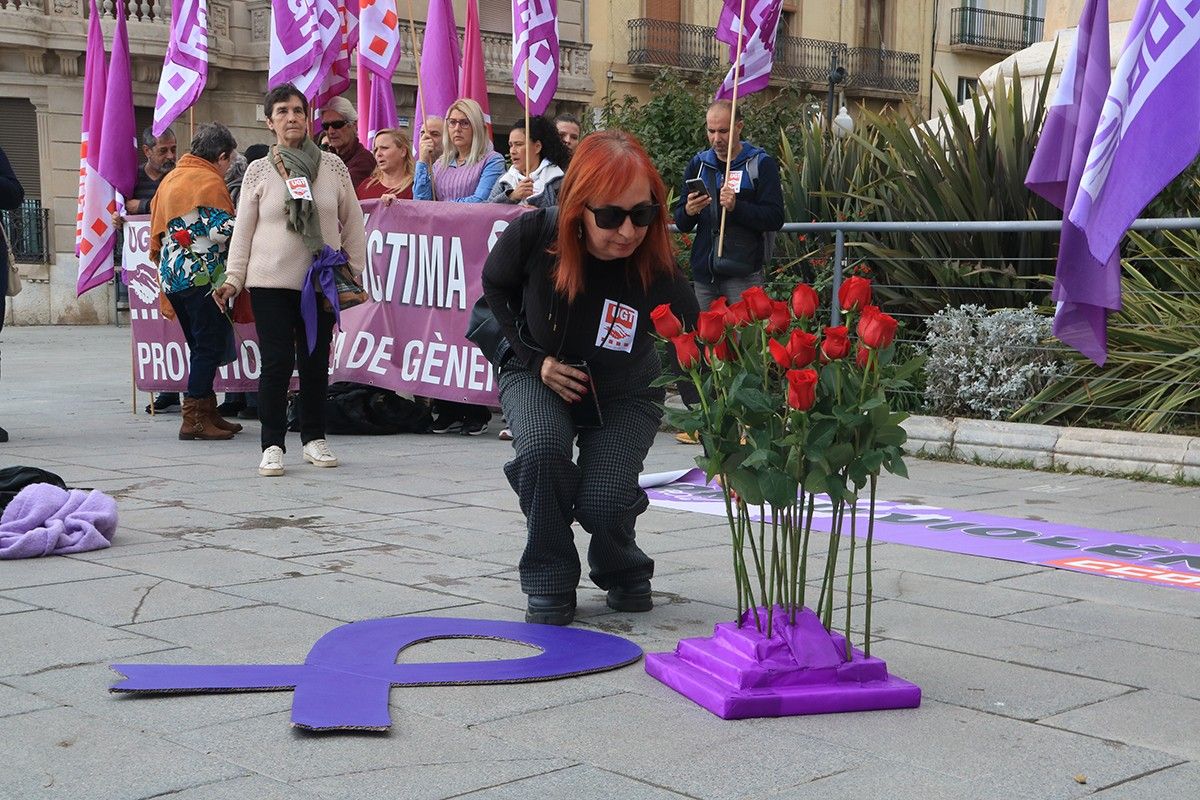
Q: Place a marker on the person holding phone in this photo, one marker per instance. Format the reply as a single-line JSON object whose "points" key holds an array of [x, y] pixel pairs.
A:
{"points": [[572, 289]]}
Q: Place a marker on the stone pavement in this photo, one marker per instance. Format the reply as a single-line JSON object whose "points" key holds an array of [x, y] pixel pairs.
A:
{"points": [[1037, 683]]}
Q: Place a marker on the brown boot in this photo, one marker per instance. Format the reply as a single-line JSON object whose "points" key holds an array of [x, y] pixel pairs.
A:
{"points": [[197, 425], [210, 408]]}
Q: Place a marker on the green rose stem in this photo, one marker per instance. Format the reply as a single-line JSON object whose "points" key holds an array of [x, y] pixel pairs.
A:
{"points": [[870, 596], [850, 573], [802, 580]]}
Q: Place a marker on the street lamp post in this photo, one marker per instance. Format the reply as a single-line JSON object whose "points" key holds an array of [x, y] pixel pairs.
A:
{"points": [[837, 74]]}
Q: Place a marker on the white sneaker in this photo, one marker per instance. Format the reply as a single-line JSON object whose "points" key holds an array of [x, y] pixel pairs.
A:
{"points": [[271, 465], [318, 454]]}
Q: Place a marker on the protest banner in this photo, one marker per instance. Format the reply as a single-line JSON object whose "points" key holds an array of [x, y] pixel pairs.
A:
{"points": [[424, 262]]}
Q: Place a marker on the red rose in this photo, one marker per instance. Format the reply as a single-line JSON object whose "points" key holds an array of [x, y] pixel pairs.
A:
{"points": [[877, 330], [805, 301], [710, 326], [687, 240], [182, 238], [737, 315], [861, 356], [719, 352], [780, 353], [686, 351], [802, 347], [666, 324], [854, 294], [780, 317], [802, 388], [720, 304], [836, 343], [757, 303]]}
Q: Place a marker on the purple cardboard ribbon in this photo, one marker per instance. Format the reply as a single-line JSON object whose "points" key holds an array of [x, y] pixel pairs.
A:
{"points": [[320, 274], [345, 679]]}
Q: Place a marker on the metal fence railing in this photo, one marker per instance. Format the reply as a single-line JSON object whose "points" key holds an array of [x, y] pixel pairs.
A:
{"points": [[993, 30], [657, 42], [28, 230], [1145, 372]]}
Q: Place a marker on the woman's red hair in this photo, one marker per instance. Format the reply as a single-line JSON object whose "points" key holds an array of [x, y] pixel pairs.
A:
{"points": [[601, 169]]}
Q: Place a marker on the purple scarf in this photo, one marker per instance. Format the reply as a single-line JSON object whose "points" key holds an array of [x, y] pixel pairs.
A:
{"points": [[44, 520], [320, 276]]}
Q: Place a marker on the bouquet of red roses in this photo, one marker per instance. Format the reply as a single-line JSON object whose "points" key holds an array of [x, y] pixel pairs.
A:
{"points": [[795, 419]]}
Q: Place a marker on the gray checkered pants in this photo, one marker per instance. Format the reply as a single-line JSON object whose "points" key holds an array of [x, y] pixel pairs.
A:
{"points": [[600, 491]]}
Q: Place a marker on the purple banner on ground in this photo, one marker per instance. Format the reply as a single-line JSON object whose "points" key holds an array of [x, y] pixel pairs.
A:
{"points": [[424, 262], [1162, 562]]}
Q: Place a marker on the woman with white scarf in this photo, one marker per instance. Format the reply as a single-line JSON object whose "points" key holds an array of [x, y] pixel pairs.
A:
{"points": [[537, 166]]}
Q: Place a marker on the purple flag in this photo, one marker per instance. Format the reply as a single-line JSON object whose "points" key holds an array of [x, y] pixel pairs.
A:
{"points": [[118, 149], [295, 40], [380, 112], [535, 52], [758, 45], [95, 82], [440, 62], [185, 69], [337, 77], [1149, 130], [1085, 288]]}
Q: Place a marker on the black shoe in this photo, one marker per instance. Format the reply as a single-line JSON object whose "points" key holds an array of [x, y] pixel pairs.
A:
{"points": [[631, 597], [3, 435], [230, 408], [162, 402], [551, 609], [473, 427], [447, 424], [249, 412]]}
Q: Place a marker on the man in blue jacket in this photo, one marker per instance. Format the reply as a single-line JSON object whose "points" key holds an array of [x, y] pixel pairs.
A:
{"points": [[753, 204]]}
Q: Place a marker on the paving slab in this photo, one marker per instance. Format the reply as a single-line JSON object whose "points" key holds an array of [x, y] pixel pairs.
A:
{"points": [[15, 701], [211, 566], [254, 635], [579, 783], [439, 781], [1145, 718], [1177, 781], [346, 597], [1170, 631], [63, 752], [45, 640]]}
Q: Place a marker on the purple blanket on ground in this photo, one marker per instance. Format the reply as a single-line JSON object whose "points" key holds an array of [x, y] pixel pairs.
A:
{"points": [[44, 520]]}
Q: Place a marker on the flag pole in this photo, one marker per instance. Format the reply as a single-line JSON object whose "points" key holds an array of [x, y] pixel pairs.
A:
{"points": [[525, 80], [737, 63], [412, 35]]}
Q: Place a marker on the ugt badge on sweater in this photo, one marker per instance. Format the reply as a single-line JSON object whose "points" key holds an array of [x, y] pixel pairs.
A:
{"points": [[299, 189], [618, 323]]}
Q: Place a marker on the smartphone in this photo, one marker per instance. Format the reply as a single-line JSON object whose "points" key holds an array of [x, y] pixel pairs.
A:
{"points": [[585, 412], [695, 185]]}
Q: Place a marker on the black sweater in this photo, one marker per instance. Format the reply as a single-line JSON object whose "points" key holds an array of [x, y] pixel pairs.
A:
{"points": [[519, 275]]}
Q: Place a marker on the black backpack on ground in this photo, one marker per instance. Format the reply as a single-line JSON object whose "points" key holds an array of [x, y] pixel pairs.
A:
{"points": [[14, 479], [355, 409]]}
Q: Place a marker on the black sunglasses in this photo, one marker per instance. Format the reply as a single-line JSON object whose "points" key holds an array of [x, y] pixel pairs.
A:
{"points": [[336, 124], [612, 217]]}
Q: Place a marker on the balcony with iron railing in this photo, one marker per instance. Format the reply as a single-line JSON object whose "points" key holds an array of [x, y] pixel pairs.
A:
{"points": [[992, 31], [661, 43]]}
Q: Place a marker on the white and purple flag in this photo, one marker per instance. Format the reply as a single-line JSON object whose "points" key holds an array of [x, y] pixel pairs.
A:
{"points": [[441, 61], [535, 52], [337, 76], [753, 70], [1119, 143], [305, 42], [95, 197], [295, 40], [379, 36], [185, 69]]}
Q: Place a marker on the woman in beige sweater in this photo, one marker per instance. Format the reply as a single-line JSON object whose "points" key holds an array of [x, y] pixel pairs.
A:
{"points": [[297, 212]]}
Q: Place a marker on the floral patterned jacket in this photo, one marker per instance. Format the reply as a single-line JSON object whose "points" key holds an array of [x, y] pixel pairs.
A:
{"points": [[194, 249]]}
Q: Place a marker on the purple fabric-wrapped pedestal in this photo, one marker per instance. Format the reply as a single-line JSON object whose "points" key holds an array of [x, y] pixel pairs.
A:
{"points": [[801, 669]]}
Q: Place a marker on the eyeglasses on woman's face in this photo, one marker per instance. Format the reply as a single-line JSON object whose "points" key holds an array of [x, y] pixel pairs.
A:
{"points": [[454, 122], [612, 217], [334, 124]]}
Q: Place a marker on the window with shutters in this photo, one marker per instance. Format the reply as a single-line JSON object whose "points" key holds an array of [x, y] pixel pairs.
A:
{"points": [[18, 137], [495, 16]]}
